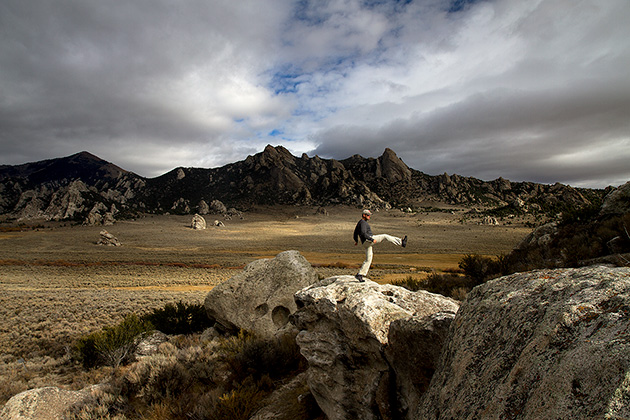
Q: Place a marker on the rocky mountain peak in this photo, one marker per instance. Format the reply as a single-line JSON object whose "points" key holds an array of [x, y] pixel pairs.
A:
{"points": [[273, 176], [393, 168], [275, 156]]}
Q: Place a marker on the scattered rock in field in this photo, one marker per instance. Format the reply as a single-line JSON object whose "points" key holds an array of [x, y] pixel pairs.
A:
{"points": [[549, 344], [344, 331], [107, 239], [198, 222], [489, 220], [260, 298], [148, 345], [219, 223], [322, 211]]}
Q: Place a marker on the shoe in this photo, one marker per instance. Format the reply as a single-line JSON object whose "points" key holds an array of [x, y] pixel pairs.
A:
{"points": [[359, 277], [404, 241]]}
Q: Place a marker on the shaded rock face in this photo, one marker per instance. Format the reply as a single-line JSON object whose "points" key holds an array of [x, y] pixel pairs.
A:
{"points": [[552, 344], [413, 353], [344, 330], [49, 403], [618, 201], [260, 298]]}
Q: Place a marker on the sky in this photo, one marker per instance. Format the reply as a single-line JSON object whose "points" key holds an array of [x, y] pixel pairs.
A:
{"points": [[535, 90]]}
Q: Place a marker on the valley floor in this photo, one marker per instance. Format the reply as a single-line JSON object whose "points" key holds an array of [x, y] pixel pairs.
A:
{"points": [[57, 284]]}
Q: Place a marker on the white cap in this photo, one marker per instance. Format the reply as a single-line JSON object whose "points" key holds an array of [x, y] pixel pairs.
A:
{"points": [[366, 211]]}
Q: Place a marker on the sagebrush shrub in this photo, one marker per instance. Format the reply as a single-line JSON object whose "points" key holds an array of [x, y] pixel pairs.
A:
{"points": [[112, 345]]}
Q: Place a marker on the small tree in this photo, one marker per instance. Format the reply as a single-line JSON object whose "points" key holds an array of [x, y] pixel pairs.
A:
{"points": [[112, 345]]}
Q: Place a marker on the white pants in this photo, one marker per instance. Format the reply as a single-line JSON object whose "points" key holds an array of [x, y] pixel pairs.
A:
{"points": [[368, 250]]}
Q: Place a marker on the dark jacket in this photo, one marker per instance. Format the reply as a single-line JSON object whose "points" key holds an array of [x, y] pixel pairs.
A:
{"points": [[363, 231]]}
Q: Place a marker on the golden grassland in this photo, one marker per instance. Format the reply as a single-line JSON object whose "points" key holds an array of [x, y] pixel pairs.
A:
{"points": [[56, 284]]}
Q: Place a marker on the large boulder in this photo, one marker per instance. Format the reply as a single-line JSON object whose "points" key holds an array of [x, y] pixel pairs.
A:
{"points": [[344, 330], [260, 298], [49, 403], [552, 344]]}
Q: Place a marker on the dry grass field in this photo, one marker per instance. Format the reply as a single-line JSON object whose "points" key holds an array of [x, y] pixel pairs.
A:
{"points": [[57, 284]]}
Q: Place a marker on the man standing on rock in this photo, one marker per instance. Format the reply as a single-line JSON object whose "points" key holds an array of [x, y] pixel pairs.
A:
{"points": [[364, 232]]}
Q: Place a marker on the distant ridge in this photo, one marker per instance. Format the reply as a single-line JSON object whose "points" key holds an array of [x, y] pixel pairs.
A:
{"points": [[83, 165], [273, 176]]}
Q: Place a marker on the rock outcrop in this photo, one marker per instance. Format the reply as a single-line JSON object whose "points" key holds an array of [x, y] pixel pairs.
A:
{"points": [[344, 331], [49, 403], [618, 201], [552, 344], [260, 298]]}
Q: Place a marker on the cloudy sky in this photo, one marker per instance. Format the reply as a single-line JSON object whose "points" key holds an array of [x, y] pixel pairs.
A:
{"points": [[535, 90]]}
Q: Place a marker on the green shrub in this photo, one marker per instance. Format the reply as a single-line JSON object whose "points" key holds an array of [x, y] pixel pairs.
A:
{"points": [[112, 345], [476, 267], [179, 318]]}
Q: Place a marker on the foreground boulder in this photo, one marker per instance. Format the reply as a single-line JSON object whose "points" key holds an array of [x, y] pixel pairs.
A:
{"points": [[260, 298], [552, 344], [344, 330], [49, 403]]}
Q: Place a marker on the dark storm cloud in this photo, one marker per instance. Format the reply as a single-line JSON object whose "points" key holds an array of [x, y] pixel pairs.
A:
{"points": [[532, 90]]}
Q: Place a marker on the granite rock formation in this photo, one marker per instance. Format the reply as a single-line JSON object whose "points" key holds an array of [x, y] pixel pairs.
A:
{"points": [[344, 331], [551, 344], [260, 298]]}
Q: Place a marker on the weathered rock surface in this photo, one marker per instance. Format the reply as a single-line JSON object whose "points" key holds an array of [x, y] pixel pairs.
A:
{"points": [[49, 403], [260, 298], [198, 222], [344, 330], [552, 344]]}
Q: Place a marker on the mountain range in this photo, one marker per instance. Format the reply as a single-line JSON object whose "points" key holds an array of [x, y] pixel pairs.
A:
{"points": [[83, 187]]}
